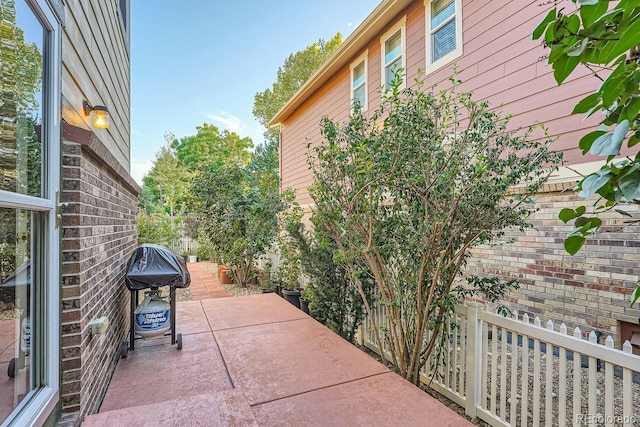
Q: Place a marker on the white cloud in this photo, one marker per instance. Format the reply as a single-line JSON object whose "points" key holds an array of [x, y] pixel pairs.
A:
{"points": [[229, 121], [252, 129], [139, 168], [349, 24]]}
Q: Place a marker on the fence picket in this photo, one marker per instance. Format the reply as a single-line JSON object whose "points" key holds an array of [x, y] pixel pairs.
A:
{"points": [[562, 382], [593, 385], [524, 406], [608, 386], [577, 378], [536, 375], [627, 393], [463, 345], [503, 374], [447, 368], [514, 376], [485, 366], [494, 367], [548, 390]]}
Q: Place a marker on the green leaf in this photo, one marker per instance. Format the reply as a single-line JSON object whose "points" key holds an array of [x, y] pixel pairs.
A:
{"points": [[587, 3], [539, 30], [633, 108], [635, 295], [587, 141], [591, 12], [573, 244], [624, 213], [591, 184], [630, 185], [627, 41], [613, 86], [588, 225], [586, 103], [618, 135], [568, 214], [573, 24], [563, 67], [578, 48], [600, 146]]}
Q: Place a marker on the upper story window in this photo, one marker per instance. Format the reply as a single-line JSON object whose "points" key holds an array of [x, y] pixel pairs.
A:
{"points": [[123, 8], [393, 52], [359, 81], [444, 22]]}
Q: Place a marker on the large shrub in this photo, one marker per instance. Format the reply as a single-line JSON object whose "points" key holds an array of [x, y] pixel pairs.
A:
{"points": [[238, 207], [407, 190]]}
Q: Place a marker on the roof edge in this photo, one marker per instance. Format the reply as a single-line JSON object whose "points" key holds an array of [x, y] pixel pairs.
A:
{"points": [[356, 41]]}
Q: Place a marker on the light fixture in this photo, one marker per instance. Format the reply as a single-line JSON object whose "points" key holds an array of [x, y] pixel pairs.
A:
{"points": [[100, 114]]}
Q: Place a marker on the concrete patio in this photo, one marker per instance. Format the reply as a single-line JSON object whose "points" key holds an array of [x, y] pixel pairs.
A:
{"points": [[258, 361]]}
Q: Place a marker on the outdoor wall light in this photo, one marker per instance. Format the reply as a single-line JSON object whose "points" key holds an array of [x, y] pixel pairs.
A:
{"points": [[100, 114]]}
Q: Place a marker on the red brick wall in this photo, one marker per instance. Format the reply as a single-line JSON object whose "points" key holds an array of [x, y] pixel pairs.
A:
{"points": [[591, 289], [99, 233]]}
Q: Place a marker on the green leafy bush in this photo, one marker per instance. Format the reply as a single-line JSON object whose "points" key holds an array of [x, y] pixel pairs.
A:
{"points": [[407, 190]]}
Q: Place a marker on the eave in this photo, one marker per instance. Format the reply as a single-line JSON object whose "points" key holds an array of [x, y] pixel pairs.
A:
{"points": [[350, 48]]}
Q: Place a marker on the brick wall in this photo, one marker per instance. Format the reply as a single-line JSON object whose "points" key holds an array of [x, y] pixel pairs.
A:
{"points": [[591, 289], [99, 233]]}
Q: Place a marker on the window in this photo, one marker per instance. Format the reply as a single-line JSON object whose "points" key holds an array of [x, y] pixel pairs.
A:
{"points": [[393, 53], [444, 22], [29, 182], [123, 9], [359, 81]]}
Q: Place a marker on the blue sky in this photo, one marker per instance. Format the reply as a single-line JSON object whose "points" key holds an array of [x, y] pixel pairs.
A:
{"points": [[202, 61]]}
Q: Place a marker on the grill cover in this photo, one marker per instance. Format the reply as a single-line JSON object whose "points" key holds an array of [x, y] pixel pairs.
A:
{"points": [[153, 266]]}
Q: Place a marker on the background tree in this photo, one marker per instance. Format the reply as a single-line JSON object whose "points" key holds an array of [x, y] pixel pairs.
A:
{"points": [[166, 189], [170, 180], [295, 71], [210, 145], [238, 207], [604, 36], [158, 228], [407, 200]]}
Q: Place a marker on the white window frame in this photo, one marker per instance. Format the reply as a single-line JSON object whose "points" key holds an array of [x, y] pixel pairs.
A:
{"points": [[40, 402], [364, 58], [402, 26], [457, 52]]}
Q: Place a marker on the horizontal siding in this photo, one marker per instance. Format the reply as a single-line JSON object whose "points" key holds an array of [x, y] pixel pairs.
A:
{"points": [[96, 64], [500, 64]]}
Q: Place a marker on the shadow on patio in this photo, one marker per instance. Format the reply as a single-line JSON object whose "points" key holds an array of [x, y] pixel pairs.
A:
{"points": [[258, 361]]}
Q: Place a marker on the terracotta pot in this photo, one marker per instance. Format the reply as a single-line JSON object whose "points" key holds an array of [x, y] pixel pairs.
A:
{"points": [[224, 275]]}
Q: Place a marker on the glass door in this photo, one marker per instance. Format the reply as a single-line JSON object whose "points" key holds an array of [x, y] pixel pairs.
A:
{"points": [[29, 182]]}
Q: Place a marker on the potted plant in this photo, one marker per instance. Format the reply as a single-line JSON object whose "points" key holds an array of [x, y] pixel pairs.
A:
{"points": [[332, 299], [304, 302], [225, 275], [289, 269]]}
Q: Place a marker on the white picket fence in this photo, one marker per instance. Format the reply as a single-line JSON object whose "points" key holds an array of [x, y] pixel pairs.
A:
{"points": [[509, 372], [185, 245]]}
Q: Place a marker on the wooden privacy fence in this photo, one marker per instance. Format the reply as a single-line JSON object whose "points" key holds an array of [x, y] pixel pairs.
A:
{"points": [[509, 372]]}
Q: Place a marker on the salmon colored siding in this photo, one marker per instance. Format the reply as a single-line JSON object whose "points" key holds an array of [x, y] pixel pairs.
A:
{"points": [[500, 63]]}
